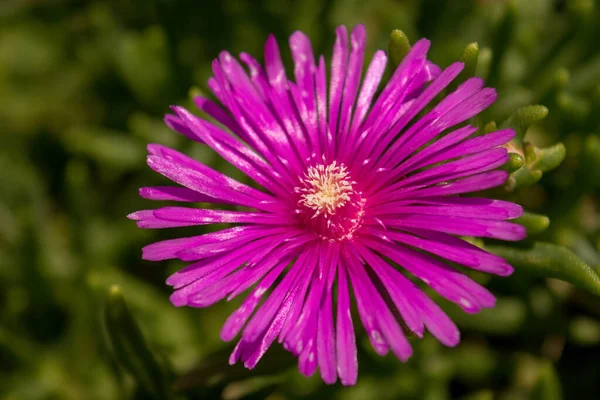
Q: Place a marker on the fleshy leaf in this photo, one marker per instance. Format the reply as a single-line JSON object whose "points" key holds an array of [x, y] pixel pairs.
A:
{"points": [[577, 241], [545, 159], [536, 161], [515, 161], [534, 223], [130, 348], [551, 261], [523, 118], [469, 57], [490, 127], [522, 177], [399, 46]]}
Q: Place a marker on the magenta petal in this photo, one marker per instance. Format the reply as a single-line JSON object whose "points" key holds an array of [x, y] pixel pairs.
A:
{"points": [[470, 184], [257, 74], [339, 64], [242, 157], [398, 287], [200, 216], [469, 207], [368, 312], [300, 330], [462, 226], [416, 308], [267, 311], [471, 146], [390, 329], [424, 98], [305, 68], [347, 359], [169, 248], [308, 263], [325, 331], [391, 105], [325, 139], [219, 115], [175, 194], [209, 185], [204, 250], [369, 87], [307, 360], [251, 352], [448, 282], [397, 88], [175, 123], [239, 317], [437, 322], [200, 283], [422, 157], [326, 341], [469, 165], [452, 249], [358, 41]]}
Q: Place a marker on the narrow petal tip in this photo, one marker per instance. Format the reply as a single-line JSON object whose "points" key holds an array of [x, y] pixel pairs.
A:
{"points": [[178, 300], [134, 216]]}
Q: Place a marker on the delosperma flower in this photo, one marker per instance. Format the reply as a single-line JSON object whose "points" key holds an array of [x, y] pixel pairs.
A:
{"points": [[354, 193]]}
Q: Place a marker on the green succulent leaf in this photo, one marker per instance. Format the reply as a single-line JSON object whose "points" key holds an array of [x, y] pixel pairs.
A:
{"points": [[515, 161], [536, 162], [523, 118], [130, 348], [534, 223], [551, 261], [490, 127], [399, 46], [577, 241], [522, 177], [549, 158], [469, 58]]}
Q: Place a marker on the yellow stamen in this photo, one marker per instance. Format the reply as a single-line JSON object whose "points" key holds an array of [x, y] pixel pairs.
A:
{"points": [[326, 188]]}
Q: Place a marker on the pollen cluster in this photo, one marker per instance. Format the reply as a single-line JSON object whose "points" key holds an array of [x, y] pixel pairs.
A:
{"points": [[326, 188]]}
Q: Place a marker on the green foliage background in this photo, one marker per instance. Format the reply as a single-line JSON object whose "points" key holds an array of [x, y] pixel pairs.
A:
{"points": [[83, 87]]}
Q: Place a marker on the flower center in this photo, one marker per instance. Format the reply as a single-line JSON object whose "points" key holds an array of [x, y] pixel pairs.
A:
{"points": [[327, 188], [329, 203]]}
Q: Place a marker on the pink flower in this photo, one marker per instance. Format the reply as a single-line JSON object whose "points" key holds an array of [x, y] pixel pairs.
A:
{"points": [[349, 183]]}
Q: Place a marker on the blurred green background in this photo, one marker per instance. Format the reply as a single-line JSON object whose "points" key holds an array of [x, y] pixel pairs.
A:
{"points": [[83, 88]]}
